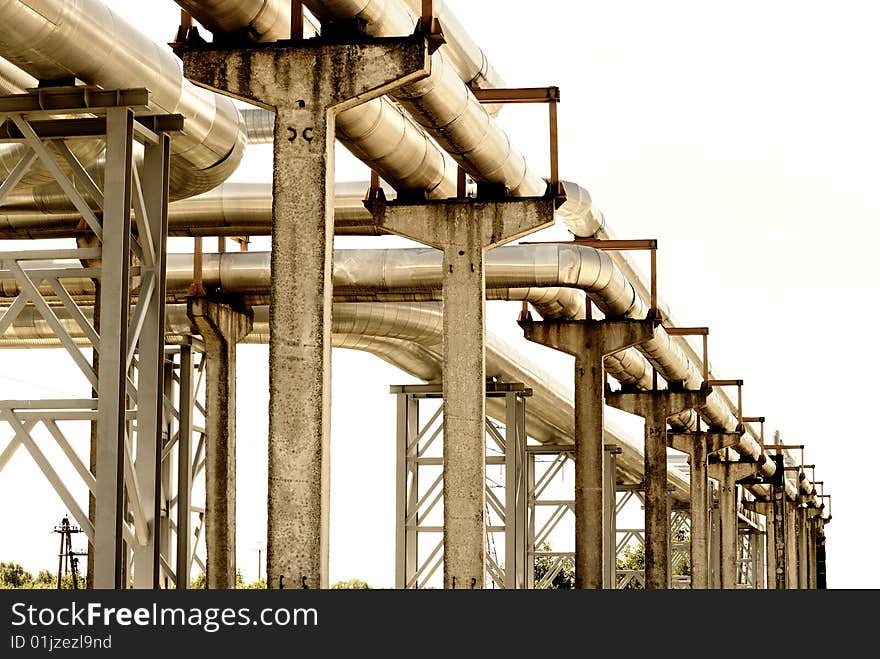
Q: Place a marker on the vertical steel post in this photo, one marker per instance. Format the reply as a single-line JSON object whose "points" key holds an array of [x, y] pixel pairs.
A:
{"points": [[109, 513], [184, 466], [151, 359], [609, 526]]}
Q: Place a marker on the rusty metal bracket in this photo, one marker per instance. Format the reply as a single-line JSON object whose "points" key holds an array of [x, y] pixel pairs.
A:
{"points": [[429, 26], [549, 95], [694, 331], [739, 398]]}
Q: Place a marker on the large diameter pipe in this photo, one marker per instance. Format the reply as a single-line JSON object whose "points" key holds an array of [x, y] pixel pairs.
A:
{"points": [[376, 132], [571, 266], [53, 39], [408, 336]]}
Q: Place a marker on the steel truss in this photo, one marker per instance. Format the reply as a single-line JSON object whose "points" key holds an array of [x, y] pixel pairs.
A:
{"points": [[419, 517], [122, 245]]}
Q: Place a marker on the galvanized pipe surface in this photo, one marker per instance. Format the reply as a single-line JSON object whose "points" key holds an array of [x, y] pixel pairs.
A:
{"points": [[408, 336], [52, 39], [519, 266], [376, 132]]}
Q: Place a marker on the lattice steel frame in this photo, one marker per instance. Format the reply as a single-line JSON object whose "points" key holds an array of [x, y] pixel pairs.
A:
{"points": [[127, 386], [414, 439]]}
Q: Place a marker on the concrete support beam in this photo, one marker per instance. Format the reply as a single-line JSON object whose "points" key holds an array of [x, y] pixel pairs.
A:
{"points": [[698, 446], [811, 548], [464, 229], [221, 327], [777, 576], [656, 407], [589, 342], [728, 474], [307, 84], [803, 548], [791, 546]]}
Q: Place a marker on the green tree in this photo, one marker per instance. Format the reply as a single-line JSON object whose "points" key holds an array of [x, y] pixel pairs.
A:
{"points": [[564, 579], [634, 559], [13, 575], [351, 584]]}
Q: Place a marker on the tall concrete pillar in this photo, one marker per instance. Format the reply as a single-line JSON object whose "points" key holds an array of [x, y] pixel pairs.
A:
{"points": [[221, 327], [306, 83], [656, 407], [589, 342], [779, 530], [464, 229], [698, 446], [811, 549], [728, 474], [803, 548], [791, 546]]}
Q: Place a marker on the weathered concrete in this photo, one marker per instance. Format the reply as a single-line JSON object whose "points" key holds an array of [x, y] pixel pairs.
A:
{"points": [[698, 446], [656, 407], [307, 84], [221, 327], [803, 548], [728, 474], [791, 546], [589, 342], [812, 515], [779, 531], [464, 229]]}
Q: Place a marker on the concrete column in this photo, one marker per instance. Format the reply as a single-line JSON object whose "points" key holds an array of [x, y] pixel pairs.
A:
{"points": [[698, 446], [464, 229], [791, 546], [307, 84], [803, 548], [714, 539], [728, 474], [821, 568], [656, 407], [221, 327], [590, 342], [813, 580], [779, 530]]}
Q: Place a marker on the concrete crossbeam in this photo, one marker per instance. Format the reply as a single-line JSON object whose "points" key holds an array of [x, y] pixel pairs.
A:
{"points": [[728, 474], [656, 407], [698, 446], [464, 229], [589, 342]]}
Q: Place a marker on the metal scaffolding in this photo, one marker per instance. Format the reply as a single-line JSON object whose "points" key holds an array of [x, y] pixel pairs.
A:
{"points": [[419, 523], [121, 245]]}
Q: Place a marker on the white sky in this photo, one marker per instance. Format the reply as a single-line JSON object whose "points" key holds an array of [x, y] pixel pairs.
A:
{"points": [[742, 135]]}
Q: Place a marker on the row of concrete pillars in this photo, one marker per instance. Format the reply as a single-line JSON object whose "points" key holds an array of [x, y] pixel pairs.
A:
{"points": [[793, 532], [307, 84]]}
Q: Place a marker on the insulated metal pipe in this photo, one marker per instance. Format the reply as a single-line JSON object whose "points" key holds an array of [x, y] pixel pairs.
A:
{"points": [[568, 266], [408, 336], [376, 132], [52, 39]]}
